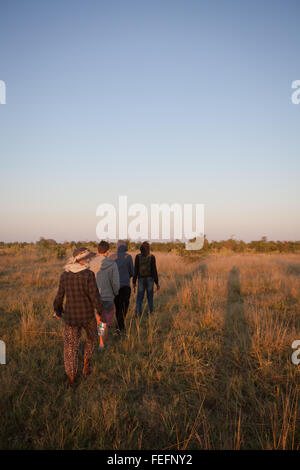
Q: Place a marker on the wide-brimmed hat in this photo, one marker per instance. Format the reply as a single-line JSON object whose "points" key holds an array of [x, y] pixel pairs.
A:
{"points": [[82, 253]]}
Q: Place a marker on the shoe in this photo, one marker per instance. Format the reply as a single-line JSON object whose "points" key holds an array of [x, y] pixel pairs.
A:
{"points": [[101, 348]]}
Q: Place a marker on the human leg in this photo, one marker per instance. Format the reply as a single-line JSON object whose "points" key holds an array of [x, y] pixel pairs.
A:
{"points": [[150, 285], [71, 346], [91, 340], [140, 296]]}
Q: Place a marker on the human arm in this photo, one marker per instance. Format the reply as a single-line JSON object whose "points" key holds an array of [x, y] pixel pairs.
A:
{"points": [[59, 299], [136, 269], [154, 271], [130, 266], [94, 294], [115, 279]]}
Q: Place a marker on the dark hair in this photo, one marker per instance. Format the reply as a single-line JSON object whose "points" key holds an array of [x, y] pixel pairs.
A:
{"points": [[122, 246], [103, 246], [145, 248]]}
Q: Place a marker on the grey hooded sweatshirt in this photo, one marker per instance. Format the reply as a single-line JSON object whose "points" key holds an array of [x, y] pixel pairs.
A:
{"points": [[107, 276], [124, 263]]}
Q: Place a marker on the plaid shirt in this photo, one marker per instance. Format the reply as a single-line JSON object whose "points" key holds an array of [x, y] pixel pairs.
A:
{"points": [[82, 297]]}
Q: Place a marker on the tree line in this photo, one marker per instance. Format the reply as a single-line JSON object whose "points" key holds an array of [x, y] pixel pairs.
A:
{"points": [[49, 247]]}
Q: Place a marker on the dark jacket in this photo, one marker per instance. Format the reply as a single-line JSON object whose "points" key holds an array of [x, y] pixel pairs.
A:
{"points": [[82, 297], [124, 263], [136, 275]]}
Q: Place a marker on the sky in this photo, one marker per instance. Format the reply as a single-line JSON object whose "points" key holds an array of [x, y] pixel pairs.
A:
{"points": [[163, 101]]}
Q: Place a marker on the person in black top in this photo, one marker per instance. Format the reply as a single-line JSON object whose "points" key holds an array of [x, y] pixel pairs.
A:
{"points": [[125, 267], [145, 273]]}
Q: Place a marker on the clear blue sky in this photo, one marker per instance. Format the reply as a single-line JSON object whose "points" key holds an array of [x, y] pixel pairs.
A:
{"points": [[162, 101]]}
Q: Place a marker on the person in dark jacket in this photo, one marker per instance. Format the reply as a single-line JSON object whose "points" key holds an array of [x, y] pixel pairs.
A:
{"points": [[78, 286], [146, 273], [125, 267]]}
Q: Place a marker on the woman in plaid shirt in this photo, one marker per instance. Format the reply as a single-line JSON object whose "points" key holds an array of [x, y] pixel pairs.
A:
{"points": [[78, 285]]}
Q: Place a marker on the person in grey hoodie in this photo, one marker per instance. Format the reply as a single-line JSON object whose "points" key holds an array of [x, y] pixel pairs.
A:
{"points": [[125, 267], [108, 282]]}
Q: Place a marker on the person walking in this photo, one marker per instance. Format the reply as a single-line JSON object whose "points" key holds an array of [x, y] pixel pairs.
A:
{"points": [[146, 273], [78, 286], [125, 266], [108, 282]]}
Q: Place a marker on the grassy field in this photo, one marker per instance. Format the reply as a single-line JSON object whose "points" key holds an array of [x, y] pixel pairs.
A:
{"points": [[211, 369]]}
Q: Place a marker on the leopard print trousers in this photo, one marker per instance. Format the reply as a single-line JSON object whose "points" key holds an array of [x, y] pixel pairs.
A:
{"points": [[72, 336]]}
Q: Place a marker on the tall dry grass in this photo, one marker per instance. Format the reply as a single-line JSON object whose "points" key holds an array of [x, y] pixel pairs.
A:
{"points": [[210, 369]]}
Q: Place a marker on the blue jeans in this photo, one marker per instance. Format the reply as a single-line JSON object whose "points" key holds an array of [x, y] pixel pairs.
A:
{"points": [[144, 284]]}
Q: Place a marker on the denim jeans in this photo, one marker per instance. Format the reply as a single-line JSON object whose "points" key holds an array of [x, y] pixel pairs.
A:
{"points": [[145, 284]]}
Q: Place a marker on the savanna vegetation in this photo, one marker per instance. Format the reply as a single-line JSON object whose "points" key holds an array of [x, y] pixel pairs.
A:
{"points": [[210, 369], [46, 248]]}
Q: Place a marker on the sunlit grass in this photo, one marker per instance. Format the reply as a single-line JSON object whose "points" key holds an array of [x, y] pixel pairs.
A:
{"points": [[211, 369]]}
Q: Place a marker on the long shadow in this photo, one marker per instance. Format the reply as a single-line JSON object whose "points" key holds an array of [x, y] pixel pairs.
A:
{"points": [[203, 271], [231, 372], [293, 268], [289, 266]]}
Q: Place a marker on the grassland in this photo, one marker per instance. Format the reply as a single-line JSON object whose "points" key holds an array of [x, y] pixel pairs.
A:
{"points": [[211, 369]]}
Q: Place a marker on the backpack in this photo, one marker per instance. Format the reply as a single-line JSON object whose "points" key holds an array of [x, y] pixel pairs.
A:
{"points": [[145, 266]]}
